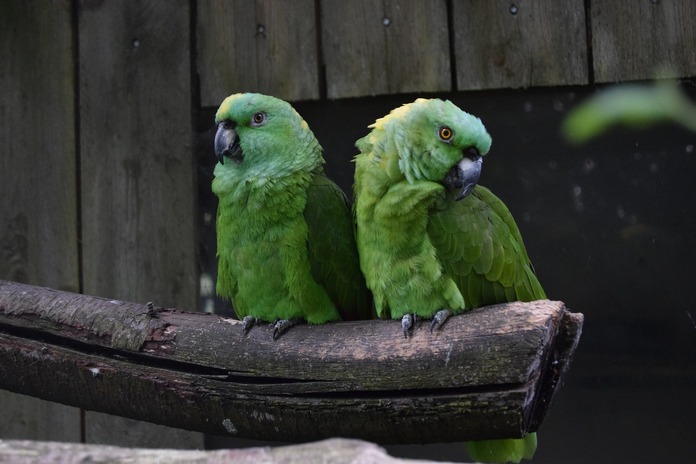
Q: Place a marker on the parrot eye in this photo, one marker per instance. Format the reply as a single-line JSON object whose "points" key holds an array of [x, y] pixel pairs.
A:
{"points": [[445, 133], [258, 119]]}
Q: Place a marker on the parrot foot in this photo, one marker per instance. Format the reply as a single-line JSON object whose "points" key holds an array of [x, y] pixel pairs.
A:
{"points": [[440, 317], [282, 325], [247, 323], [407, 323]]}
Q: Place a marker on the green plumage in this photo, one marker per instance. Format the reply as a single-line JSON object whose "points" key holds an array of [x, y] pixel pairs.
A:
{"points": [[286, 247], [479, 246], [421, 250], [506, 450]]}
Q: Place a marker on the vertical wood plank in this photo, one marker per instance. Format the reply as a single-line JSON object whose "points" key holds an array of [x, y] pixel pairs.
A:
{"points": [[503, 43], [373, 47], [138, 192], [353, 44], [418, 50], [38, 202], [643, 39], [267, 46]]}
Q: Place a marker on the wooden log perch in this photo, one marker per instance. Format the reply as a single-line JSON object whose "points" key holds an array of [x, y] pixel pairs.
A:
{"points": [[489, 373]]}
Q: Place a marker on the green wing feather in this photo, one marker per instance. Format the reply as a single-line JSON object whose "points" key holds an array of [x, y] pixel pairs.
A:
{"points": [[226, 284], [332, 252], [481, 249]]}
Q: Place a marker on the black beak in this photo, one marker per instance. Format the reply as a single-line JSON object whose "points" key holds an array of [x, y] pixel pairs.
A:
{"points": [[464, 175], [227, 143]]}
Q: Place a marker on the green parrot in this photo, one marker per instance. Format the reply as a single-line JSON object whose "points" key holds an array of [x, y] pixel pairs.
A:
{"points": [[432, 242], [285, 234]]}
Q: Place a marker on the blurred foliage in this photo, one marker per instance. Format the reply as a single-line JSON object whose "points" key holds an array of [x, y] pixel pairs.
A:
{"points": [[630, 105]]}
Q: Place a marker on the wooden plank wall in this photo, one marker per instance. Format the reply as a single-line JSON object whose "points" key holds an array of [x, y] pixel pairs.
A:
{"points": [[517, 44], [341, 49], [137, 169], [643, 39], [97, 186], [38, 202], [373, 48], [259, 45], [110, 211]]}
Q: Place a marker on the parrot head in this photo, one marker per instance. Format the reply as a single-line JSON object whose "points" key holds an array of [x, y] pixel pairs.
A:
{"points": [[430, 140], [260, 136]]}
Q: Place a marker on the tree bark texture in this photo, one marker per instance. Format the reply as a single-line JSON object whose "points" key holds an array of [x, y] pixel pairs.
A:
{"points": [[489, 373], [335, 451]]}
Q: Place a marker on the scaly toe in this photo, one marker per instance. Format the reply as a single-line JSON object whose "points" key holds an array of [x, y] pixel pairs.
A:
{"points": [[247, 323], [407, 323], [440, 317], [281, 326]]}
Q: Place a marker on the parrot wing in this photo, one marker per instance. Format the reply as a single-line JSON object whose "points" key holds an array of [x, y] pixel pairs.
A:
{"points": [[481, 249], [332, 251]]}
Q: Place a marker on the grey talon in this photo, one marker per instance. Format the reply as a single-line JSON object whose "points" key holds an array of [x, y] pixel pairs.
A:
{"points": [[281, 326], [247, 323], [407, 323], [440, 317]]}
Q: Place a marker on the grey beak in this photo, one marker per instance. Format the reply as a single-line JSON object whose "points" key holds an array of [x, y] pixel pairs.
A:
{"points": [[465, 175], [227, 144]]}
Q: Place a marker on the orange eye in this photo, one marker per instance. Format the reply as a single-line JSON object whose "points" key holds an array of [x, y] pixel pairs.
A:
{"points": [[445, 134], [258, 118]]}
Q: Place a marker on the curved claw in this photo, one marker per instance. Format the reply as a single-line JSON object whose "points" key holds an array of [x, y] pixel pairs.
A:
{"points": [[281, 326], [247, 323], [440, 317], [407, 323]]}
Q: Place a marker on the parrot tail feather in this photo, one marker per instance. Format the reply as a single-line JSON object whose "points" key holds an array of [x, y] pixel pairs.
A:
{"points": [[502, 451]]}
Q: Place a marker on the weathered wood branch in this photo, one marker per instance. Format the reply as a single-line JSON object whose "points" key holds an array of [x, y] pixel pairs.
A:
{"points": [[335, 451], [489, 373]]}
